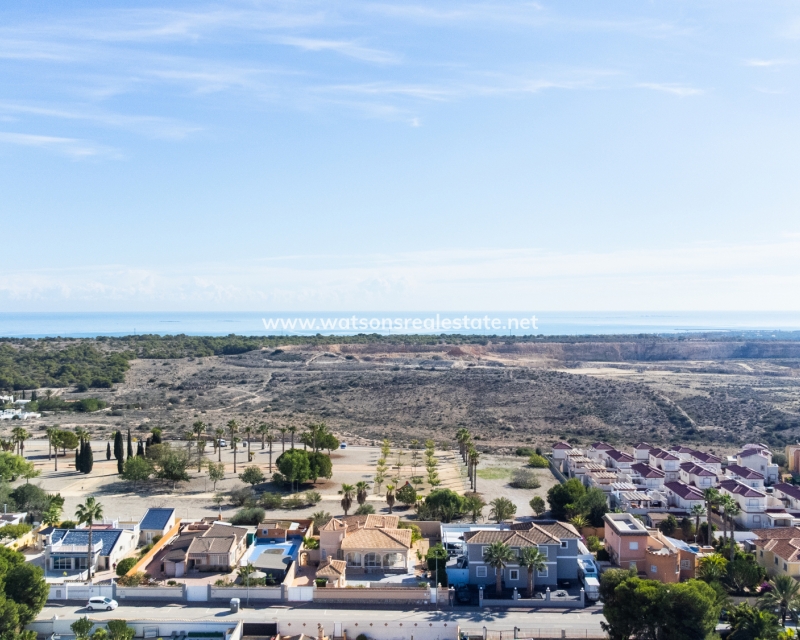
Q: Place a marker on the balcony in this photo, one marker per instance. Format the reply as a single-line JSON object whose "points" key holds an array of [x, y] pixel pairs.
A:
{"points": [[76, 548]]}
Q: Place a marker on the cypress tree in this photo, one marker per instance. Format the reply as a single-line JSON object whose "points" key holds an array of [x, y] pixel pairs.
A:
{"points": [[120, 466], [82, 457], [88, 458], [119, 451], [108, 451], [140, 449], [130, 445], [78, 458]]}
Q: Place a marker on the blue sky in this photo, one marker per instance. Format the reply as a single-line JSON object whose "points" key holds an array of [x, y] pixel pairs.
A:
{"points": [[400, 155]]}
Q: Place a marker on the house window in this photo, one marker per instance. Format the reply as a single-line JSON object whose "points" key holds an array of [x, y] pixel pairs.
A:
{"points": [[633, 546], [483, 551], [685, 564], [756, 518], [564, 544], [480, 572], [761, 553], [632, 565], [785, 567], [542, 574], [752, 502], [60, 564], [776, 562], [372, 560], [544, 551], [353, 559], [513, 574], [653, 568]]}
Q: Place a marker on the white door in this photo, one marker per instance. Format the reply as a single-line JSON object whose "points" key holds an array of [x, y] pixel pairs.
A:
{"points": [[197, 593]]}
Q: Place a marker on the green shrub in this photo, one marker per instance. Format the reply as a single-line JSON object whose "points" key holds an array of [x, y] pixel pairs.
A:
{"points": [[525, 479], [313, 497], [248, 516], [538, 462], [525, 452], [241, 496], [125, 565], [14, 531], [271, 500], [364, 509], [593, 544], [294, 503]]}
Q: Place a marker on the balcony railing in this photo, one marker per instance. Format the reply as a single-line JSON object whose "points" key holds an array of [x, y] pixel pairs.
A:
{"points": [[76, 548]]}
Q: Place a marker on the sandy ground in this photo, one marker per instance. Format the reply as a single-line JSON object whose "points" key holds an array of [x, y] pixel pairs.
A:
{"points": [[193, 499], [494, 474]]}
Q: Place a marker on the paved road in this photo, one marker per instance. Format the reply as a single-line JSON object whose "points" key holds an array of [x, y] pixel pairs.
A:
{"points": [[575, 622]]}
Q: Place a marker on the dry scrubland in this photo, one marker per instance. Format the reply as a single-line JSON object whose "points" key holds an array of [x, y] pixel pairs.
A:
{"points": [[507, 395]]}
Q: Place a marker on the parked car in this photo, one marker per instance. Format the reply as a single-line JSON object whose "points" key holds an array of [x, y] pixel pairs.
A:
{"points": [[99, 603], [223, 442], [343, 445]]}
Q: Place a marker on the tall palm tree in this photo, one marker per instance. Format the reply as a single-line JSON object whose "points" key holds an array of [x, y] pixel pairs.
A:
{"points": [[390, 497], [198, 429], [784, 596], [711, 496], [55, 438], [270, 439], [697, 511], [233, 429], [218, 433], [248, 432], [725, 504], [235, 440], [462, 436], [292, 430], [474, 458], [533, 560], [20, 435], [283, 431], [262, 430], [347, 493], [87, 513], [498, 555], [362, 490], [732, 512], [50, 432]]}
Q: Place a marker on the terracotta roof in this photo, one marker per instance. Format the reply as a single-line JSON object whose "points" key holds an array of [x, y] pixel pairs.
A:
{"points": [[530, 538], [179, 546], [334, 524], [646, 471], [601, 446], [697, 469], [202, 545], [218, 530], [333, 569], [562, 445], [786, 549], [708, 458], [740, 489], [788, 489], [782, 533], [376, 521], [685, 491], [560, 530], [743, 472], [746, 453], [642, 445], [620, 456], [378, 539]]}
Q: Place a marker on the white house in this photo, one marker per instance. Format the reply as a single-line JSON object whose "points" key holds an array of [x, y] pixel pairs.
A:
{"points": [[619, 460], [560, 449], [599, 451], [758, 458], [642, 452], [683, 496], [789, 494], [697, 474], [643, 475], [752, 502], [668, 462], [745, 476]]}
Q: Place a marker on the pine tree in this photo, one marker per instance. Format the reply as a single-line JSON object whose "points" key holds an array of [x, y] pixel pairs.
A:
{"points": [[130, 445], [88, 458], [108, 451], [119, 450]]}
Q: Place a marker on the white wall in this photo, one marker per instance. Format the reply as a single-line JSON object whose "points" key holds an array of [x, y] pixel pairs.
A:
{"points": [[378, 630]]}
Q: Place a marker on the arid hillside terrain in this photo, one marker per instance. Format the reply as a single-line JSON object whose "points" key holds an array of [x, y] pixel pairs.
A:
{"points": [[509, 394]]}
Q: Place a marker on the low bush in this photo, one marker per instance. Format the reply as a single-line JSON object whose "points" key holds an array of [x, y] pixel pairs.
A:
{"points": [[125, 565], [364, 510], [538, 462], [248, 516], [525, 479], [525, 452], [294, 503], [313, 497], [14, 531], [271, 500], [136, 580], [593, 544], [241, 496]]}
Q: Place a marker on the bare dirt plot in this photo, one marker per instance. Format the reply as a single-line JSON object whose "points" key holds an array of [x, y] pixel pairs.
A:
{"points": [[494, 475]]}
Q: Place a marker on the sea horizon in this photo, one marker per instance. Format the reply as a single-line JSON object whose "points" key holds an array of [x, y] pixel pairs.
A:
{"points": [[545, 323]]}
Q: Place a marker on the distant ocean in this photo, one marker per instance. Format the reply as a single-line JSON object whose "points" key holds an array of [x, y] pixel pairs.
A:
{"points": [[81, 325]]}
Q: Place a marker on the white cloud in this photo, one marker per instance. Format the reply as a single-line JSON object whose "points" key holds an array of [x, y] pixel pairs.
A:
{"points": [[342, 47], [674, 89], [72, 147], [767, 63], [702, 276]]}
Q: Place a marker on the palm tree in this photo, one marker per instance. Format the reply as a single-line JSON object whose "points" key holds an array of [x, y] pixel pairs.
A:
{"points": [[725, 503], [474, 458], [233, 429], [697, 511], [248, 432], [748, 622], [198, 428], [732, 512], [390, 497], [784, 596], [533, 560], [320, 519], [362, 489], [498, 555], [502, 509], [283, 431], [462, 435], [292, 430], [218, 433], [270, 439], [712, 568], [263, 430], [50, 432], [711, 496], [20, 435], [579, 521], [474, 505], [87, 513], [347, 497], [235, 440]]}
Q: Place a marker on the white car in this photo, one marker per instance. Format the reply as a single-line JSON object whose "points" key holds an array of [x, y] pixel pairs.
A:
{"points": [[223, 442], [99, 603]]}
